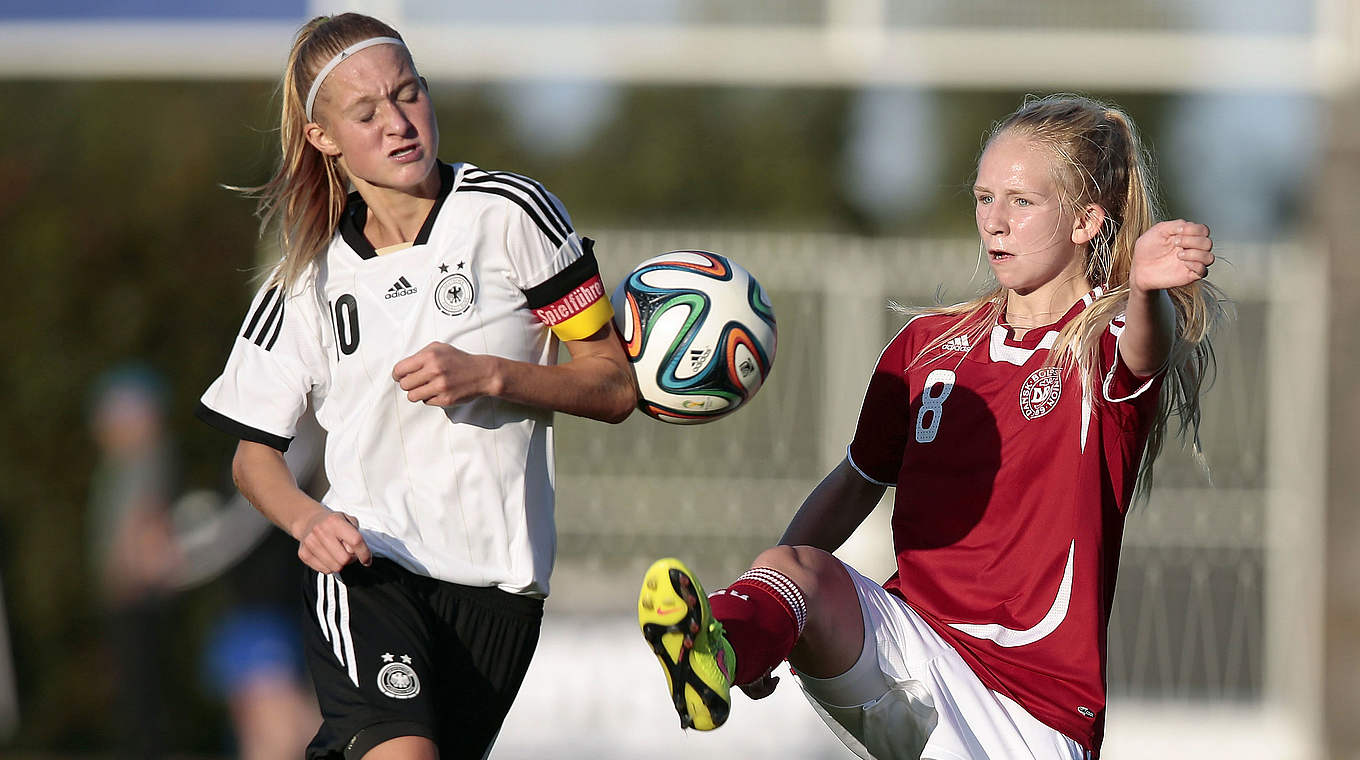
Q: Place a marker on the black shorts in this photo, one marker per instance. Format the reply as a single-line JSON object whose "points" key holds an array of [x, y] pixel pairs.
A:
{"points": [[393, 653]]}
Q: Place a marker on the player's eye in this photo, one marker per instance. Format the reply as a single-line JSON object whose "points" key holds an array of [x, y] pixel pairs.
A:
{"points": [[366, 117], [1022, 202], [984, 199]]}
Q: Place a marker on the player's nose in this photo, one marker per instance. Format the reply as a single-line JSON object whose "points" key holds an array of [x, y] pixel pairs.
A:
{"points": [[396, 123], [994, 220]]}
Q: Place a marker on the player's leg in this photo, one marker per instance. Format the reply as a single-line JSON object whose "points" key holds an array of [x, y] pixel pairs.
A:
{"points": [[910, 695], [793, 601], [878, 715], [404, 748], [830, 638]]}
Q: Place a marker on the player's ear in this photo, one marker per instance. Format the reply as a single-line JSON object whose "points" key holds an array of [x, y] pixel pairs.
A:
{"points": [[317, 136], [1088, 223]]}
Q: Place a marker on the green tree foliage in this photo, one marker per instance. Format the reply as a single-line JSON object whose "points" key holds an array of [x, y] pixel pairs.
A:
{"points": [[120, 247]]}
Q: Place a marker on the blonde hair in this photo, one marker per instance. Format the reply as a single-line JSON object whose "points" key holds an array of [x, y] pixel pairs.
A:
{"points": [[307, 193], [1099, 159]]}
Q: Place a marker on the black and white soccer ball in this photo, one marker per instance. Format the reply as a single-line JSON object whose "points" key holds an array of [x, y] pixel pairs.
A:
{"points": [[700, 333]]}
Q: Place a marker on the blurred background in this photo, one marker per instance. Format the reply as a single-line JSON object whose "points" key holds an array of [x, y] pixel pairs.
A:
{"points": [[828, 146]]}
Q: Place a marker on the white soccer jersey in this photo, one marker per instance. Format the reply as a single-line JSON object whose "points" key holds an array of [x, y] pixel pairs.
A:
{"points": [[464, 493]]}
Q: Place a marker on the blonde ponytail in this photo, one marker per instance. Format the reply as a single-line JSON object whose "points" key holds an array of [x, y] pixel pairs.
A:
{"points": [[306, 196]]}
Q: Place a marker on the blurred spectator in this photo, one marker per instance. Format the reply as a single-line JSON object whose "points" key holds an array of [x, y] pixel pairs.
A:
{"points": [[132, 548], [253, 656]]}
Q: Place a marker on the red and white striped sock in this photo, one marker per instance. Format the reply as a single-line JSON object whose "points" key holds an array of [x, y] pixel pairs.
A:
{"points": [[762, 613]]}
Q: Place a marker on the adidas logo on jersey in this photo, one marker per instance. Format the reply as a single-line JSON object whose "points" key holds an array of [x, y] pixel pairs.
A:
{"points": [[957, 343], [401, 287]]}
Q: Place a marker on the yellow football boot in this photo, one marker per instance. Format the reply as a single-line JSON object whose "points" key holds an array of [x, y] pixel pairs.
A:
{"points": [[677, 622]]}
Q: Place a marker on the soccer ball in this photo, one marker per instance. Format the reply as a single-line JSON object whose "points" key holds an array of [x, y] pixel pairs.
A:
{"points": [[700, 333]]}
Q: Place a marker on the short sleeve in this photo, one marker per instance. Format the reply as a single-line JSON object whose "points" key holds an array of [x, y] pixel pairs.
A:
{"points": [[276, 362], [1118, 383], [880, 439], [553, 266]]}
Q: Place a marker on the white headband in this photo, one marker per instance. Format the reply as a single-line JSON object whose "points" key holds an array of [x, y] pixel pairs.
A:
{"points": [[347, 52]]}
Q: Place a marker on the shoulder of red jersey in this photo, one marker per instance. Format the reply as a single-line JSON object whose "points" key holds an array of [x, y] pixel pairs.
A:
{"points": [[923, 329], [931, 325]]}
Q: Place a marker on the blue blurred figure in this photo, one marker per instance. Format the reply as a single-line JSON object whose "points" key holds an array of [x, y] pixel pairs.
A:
{"points": [[253, 656], [132, 549]]}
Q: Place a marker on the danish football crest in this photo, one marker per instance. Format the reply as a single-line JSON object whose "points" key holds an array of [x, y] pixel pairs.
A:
{"points": [[454, 294], [1040, 393], [397, 679]]}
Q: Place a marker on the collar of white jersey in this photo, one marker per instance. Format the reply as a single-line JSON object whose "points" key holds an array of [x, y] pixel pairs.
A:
{"points": [[355, 216]]}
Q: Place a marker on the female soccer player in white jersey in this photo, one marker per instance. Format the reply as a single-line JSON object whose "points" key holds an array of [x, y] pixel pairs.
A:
{"points": [[1015, 429], [420, 315]]}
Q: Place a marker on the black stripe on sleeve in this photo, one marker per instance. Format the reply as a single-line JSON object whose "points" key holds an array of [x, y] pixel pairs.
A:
{"points": [[542, 197], [260, 310], [548, 232], [531, 189], [278, 328], [239, 429], [566, 280], [274, 321]]}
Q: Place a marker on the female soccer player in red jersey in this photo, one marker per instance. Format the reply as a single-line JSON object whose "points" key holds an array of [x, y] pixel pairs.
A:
{"points": [[420, 316], [1015, 429]]}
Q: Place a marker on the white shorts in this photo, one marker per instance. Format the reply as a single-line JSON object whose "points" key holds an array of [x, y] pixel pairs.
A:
{"points": [[918, 699]]}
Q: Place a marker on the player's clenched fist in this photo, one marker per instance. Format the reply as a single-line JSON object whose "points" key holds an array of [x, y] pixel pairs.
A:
{"points": [[331, 540], [441, 375], [1171, 254]]}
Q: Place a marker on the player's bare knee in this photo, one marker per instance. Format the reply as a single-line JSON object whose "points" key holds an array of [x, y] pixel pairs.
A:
{"points": [[808, 567]]}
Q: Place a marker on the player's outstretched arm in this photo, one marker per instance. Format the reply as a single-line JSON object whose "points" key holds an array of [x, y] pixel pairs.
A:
{"points": [[1169, 255], [833, 510], [327, 540], [597, 382]]}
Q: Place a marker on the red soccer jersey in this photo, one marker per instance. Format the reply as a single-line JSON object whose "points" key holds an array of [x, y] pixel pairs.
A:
{"points": [[1012, 486]]}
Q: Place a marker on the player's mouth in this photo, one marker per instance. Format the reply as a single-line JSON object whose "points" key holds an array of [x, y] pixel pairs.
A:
{"points": [[406, 153], [998, 256]]}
